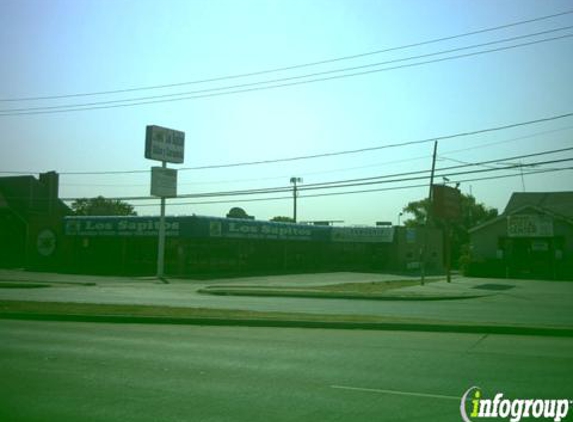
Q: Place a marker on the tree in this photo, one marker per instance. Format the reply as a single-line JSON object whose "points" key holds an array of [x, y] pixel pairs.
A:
{"points": [[237, 212], [101, 206], [473, 214], [282, 219]]}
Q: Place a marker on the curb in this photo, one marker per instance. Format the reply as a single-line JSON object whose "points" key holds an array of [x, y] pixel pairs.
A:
{"points": [[341, 325], [47, 283], [319, 295]]}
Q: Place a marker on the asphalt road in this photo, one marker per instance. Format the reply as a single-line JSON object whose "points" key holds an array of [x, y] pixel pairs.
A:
{"points": [[57, 371]]}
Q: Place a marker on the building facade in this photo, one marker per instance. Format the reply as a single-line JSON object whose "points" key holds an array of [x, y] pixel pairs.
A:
{"points": [[31, 218], [198, 244], [38, 232], [533, 238]]}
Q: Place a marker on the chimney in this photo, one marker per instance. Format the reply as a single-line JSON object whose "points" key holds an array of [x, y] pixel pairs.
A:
{"points": [[50, 180]]}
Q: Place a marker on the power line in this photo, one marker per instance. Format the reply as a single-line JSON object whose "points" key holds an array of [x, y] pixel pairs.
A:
{"points": [[416, 175], [375, 182], [400, 180], [533, 135], [463, 165], [328, 154], [424, 185], [285, 79], [378, 164], [231, 89], [292, 67]]}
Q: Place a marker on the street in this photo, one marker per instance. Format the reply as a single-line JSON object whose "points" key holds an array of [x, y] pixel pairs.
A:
{"points": [[62, 371]]}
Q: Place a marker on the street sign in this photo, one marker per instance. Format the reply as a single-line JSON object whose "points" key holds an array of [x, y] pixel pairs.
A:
{"points": [[446, 203], [163, 182], [163, 144]]}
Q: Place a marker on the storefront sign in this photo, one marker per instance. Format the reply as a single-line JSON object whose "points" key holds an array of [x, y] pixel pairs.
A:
{"points": [[163, 182], [164, 144], [259, 230], [529, 226], [446, 203], [363, 234], [212, 227], [133, 226]]}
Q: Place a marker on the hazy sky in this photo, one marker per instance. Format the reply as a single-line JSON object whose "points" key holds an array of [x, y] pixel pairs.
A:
{"points": [[52, 48]]}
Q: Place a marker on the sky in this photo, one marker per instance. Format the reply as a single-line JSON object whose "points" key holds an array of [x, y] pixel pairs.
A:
{"points": [[69, 48]]}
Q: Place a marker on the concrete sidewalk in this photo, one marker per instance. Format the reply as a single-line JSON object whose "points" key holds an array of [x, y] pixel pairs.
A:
{"points": [[523, 304]]}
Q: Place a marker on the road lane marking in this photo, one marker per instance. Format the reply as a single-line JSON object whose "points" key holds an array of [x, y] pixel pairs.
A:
{"points": [[396, 392]]}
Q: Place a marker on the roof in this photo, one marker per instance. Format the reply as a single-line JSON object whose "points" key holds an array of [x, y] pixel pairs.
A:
{"points": [[557, 204], [28, 195], [560, 203]]}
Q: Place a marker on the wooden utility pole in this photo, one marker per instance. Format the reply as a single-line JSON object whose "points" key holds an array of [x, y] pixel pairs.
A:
{"points": [[426, 223]]}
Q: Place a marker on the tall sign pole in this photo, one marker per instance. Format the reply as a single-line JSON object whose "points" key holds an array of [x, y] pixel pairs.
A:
{"points": [[165, 145], [446, 206], [161, 239]]}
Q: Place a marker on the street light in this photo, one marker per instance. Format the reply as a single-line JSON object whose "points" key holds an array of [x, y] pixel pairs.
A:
{"points": [[294, 181], [399, 215]]}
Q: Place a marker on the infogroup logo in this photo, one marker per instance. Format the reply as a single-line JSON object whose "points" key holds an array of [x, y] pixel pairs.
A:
{"points": [[474, 407]]}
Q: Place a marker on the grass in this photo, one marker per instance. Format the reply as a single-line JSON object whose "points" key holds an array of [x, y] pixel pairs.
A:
{"points": [[371, 290], [21, 285], [8, 307], [88, 312], [372, 287]]}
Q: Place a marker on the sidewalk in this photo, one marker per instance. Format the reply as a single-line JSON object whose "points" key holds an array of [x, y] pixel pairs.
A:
{"points": [[472, 305]]}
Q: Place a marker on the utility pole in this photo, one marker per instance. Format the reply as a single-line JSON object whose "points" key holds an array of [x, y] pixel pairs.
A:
{"points": [[425, 247], [294, 181]]}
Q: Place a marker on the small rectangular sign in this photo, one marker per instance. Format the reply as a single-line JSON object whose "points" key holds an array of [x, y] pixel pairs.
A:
{"points": [[164, 144], [529, 225], [363, 234], [163, 182]]}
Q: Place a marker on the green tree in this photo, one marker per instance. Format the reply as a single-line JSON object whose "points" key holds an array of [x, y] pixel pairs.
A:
{"points": [[101, 206], [282, 219], [473, 214]]}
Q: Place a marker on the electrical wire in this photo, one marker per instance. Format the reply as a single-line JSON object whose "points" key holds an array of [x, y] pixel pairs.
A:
{"points": [[338, 170], [416, 175], [285, 79], [328, 154], [232, 89], [293, 67], [425, 185]]}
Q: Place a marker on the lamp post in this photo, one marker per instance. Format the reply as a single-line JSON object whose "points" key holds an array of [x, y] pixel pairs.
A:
{"points": [[294, 181], [399, 216]]}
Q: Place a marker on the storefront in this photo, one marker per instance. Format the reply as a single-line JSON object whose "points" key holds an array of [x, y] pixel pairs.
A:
{"points": [[196, 244], [530, 241]]}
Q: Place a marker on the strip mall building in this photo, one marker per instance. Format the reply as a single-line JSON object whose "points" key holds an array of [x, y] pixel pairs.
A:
{"points": [[49, 238]]}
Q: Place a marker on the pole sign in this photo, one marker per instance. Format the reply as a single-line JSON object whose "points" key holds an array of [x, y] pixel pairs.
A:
{"points": [[163, 144], [163, 182], [446, 203]]}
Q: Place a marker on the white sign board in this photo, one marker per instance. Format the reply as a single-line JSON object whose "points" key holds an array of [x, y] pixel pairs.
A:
{"points": [[363, 234], [163, 182], [529, 226], [164, 144]]}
